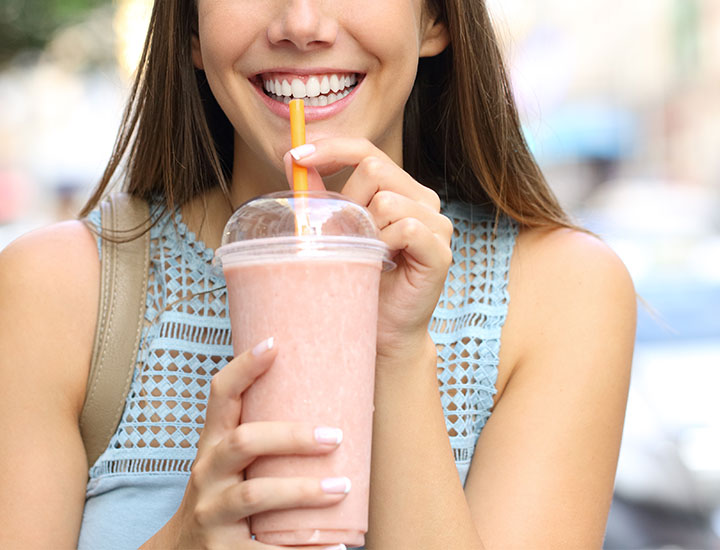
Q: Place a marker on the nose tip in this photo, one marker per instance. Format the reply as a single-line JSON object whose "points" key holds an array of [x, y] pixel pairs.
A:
{"points": [[304, 25]]}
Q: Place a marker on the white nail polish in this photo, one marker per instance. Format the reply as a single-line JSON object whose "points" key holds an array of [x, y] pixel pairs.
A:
{"points": [[336, 485], [324, 434], [262, 347], [302, 151], [336, 547]]}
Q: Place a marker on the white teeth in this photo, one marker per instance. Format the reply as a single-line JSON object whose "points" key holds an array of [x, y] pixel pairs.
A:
{"points": [[324, 85], [298, 88], [312, 87], [317, 91]]}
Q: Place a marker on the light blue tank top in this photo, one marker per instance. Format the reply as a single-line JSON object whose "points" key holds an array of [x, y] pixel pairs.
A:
{"points": [[137, 484]]}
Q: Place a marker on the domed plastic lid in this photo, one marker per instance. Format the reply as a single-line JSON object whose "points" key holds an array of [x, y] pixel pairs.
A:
{"points": [[301, 225]]}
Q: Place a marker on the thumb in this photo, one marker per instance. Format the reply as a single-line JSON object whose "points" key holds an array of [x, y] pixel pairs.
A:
{"points": [[315, 182]]}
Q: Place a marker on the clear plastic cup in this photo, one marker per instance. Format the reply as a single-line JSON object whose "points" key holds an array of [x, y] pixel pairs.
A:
{"points": [[317, 294]]}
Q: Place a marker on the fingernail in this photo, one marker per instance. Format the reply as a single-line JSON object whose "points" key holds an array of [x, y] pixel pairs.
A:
{"points": [[302, 151], [323, 434], [262, 347], [336, 485], [336, 547]]}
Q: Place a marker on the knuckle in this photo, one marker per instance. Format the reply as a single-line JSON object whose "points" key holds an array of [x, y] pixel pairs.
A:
{"points": [[250, 494], [239, 441], [384, 201], [434, 200], [371, 167], [201, 515], [216, 384], [411, 228], [197, 475]]}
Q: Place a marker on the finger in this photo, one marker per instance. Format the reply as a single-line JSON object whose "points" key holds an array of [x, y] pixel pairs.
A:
{"points": [[315, 182], [422, 247], [226, 387], [241, 500], [374, 170], [253, 439], [334, 154], [388, 207], [375, 174]]}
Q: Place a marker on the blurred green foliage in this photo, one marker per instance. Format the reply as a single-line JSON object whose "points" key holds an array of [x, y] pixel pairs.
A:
{"points": [[687, 22], [29, 24]]}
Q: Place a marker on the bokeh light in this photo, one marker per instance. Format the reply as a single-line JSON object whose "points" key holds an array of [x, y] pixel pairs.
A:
{"points": [[130, 25]]}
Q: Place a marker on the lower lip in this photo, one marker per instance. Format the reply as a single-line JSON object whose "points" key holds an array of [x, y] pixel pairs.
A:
{"points": [[311, 113]]}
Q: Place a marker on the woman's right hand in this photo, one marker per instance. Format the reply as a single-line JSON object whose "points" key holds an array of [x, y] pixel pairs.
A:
{"points": [[218, 500]]}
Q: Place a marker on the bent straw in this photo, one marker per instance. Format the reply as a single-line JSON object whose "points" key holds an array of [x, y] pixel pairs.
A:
{"points": [[297, 135], [300, 175]]}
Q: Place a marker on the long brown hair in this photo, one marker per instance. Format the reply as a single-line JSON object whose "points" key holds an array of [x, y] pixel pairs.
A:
{"points": [[462, 135]]}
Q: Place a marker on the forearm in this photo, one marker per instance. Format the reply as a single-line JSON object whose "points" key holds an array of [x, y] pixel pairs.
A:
{"points": [[416, 498]]}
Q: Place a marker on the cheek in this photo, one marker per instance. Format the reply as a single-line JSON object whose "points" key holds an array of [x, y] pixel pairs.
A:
{"points": [[389, 29], [225, 32]]}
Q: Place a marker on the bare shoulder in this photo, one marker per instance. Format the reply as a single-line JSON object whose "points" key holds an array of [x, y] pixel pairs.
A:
{"points": [[49, 285], [546, 458], [57, 237], [51, 266], [568, 264], [564, 282]]}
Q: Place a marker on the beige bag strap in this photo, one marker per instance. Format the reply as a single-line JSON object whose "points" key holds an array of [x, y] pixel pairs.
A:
{"points": [[123, 286]]}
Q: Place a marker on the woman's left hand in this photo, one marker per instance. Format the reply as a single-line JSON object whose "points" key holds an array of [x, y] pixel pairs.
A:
{"points": [[410, 223]]}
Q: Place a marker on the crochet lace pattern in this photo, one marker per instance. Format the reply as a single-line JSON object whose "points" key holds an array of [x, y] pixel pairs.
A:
{"points": [[186, 339]]}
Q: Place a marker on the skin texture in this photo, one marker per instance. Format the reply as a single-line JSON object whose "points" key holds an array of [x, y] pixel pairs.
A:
{"points": [[49, 283], [380, 39], [543, 471]]}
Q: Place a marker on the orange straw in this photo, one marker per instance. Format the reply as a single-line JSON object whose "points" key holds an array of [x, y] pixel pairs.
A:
{"points": [[297, 133], [300, 175]]}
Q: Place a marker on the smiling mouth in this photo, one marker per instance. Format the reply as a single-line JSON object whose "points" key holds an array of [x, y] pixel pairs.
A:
{"points": [[315, 90]]}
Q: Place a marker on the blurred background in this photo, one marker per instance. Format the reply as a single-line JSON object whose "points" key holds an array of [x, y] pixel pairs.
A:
{"points": [[621, 105]]}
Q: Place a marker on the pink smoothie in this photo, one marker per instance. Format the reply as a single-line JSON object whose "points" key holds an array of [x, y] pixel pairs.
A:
{"points": [[323, 315]]}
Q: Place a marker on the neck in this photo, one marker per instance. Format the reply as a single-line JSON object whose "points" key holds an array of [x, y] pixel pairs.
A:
{"points": [[253, 176]]}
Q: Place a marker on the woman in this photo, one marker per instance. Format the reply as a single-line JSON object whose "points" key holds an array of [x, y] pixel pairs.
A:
{"points": [[421, 112]]}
